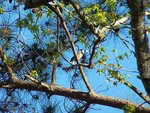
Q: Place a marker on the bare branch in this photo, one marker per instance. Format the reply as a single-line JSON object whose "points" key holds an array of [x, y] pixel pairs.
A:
{"points": [[125, 42], [144, 97], [53, 79], [4, 59], [57, 11], [91, 98], [32, 79], [93, 51], [35, 81], [5, 84]]}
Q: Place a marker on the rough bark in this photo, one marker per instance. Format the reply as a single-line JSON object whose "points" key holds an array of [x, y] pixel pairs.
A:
{"points": [[91, 98], [137, 11]]}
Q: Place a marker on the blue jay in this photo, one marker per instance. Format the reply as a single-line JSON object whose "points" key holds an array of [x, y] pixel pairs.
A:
{"points": [[79, 55]]}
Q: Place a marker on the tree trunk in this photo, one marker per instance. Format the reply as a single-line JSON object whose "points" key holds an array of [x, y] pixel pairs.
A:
{"points": [[139, 36]]}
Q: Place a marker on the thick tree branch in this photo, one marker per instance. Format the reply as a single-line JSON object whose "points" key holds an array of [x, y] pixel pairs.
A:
{"points": [[91, 98], [140, 39]]}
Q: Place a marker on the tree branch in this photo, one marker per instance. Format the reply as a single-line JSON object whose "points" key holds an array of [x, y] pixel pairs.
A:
{"points": [[91, 98], [53, 79], [57, 11], [106, 29], [4, 59], [94, 30], [140, 39], [146, 98], [89, 25], [93, 51]]}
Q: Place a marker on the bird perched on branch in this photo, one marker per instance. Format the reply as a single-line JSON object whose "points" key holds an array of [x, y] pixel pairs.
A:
{"points": [[80, 54]]}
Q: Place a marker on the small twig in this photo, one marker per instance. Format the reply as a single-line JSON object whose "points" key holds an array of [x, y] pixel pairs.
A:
{"points": [[53, 79], [36, 81], [58, 32], [86, 107], [125, 42], [32, 79], [132, 71], [93, 51], [146, 98]]}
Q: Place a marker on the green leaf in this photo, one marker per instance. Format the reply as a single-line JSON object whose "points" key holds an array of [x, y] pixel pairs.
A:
{"points": [[57, 55], [1, 10], [126, 55], [129, 109], [25, 21], [96, 55], [119, 66], [50, 13], [102, 49], [34, 28], [120, 57], [114, 50], [10, 61], [148, 17], [19, 23], [51, 45], [100, 71], [148, 29], [115, 83], [104, 58], [34, 73], [30, 18], [87, 10], [148, 5]]}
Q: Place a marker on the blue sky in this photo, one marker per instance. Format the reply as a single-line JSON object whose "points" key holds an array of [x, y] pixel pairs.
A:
{"points": [[99, 84], [97, 81]]}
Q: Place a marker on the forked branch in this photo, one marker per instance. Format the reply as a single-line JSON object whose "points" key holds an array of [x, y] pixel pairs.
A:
{"points": [[91, 98], [57, 11]]}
